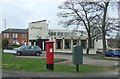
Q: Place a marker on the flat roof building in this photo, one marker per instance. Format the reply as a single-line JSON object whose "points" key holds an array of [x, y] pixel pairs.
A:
{"points": [[64, 39]]}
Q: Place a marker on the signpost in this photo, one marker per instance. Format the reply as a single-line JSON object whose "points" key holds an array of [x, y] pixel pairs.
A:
{"points": [[11, 52]]}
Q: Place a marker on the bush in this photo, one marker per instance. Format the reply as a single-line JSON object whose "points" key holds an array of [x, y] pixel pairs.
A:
{"points": [[5, 43], [14, 45], [10, 47]]}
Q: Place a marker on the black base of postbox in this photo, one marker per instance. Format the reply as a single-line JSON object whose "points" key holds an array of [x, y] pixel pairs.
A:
{"points": [[50, 66]]}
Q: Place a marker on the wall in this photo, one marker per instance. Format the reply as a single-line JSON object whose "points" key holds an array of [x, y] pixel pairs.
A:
{"points": [[38, 29], [19, 38]]}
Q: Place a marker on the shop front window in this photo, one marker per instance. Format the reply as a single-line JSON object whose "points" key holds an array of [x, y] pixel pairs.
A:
{"points": [[75, 42], [92, 43], [84, 43], [59, 44], [67, 43]]}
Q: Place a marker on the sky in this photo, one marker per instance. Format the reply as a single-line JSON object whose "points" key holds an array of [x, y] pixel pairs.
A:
{"points": [[18, 13]]}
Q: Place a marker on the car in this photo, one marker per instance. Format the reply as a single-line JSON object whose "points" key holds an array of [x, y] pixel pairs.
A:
{"points": [[28, 50], [112, 52]]}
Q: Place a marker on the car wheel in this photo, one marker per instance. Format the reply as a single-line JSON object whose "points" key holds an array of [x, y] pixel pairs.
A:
{"points": [[106, 55], [18, 53], [37, 53], [112, 55]]}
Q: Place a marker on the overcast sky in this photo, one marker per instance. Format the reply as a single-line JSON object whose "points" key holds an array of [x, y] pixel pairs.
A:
{"points": [[18, 13]]}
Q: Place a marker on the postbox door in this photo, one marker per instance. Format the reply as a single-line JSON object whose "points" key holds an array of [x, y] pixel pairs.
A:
{"points": [[50, 54]]}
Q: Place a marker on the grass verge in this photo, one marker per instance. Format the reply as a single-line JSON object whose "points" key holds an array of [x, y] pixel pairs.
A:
{"points": [[39, 64], [101, 58]]}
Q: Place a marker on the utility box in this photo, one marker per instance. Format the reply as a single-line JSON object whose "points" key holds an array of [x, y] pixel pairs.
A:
{"points": [[77, 55]]}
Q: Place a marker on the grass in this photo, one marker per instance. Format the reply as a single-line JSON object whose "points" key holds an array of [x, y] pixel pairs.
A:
{"points": [[39, 64], [101, 58], [0, 58]]}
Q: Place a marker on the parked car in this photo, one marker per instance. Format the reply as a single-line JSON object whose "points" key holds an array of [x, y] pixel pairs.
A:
{"points": [[112, 52], [28, 50]]}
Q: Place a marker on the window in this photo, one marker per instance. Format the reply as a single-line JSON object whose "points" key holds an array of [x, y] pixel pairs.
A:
{"points": [[24, 42], [33, 47], [84, 43], [6, 35], [67, 43], [66, 34], [52, 33], [69, 34], [73, 34], [27, 47], [23, 35], [17, 42], [60, 34], [59, 44], [75, 42], [15, 35], [92, 43]]}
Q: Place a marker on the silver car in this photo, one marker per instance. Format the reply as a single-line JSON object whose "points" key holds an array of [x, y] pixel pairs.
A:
{"points": [[28, 50]]}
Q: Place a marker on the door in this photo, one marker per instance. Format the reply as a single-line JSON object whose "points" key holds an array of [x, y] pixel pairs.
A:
{"points": [[27, 50]]}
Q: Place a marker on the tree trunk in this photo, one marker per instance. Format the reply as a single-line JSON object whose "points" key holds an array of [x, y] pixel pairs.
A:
{"points": [[89, 43], [103, 28], [104, 43]]}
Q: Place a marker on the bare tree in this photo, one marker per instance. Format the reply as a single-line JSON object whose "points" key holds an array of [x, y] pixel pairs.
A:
{"points": [[105, 23], [76, 13]]}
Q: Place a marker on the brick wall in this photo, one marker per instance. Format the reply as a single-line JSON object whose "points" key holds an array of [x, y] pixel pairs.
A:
{"points": [[19, 37]]}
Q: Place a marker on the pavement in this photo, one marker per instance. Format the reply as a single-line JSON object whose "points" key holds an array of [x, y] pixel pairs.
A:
{"points": [[15, 73]]}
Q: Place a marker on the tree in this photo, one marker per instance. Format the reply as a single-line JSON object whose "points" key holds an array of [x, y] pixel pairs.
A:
{"points": [[105, 23], [5, 43], [118, 39], [77, 13], [118, 34]]}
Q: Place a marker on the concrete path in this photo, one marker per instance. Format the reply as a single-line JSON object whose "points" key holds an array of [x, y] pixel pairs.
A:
{"points": [[15, 73]]}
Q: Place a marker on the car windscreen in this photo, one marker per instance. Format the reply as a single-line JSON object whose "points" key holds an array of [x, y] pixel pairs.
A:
{"points": [[117, 51], [109, 50], [33, 47], [21, 47]]}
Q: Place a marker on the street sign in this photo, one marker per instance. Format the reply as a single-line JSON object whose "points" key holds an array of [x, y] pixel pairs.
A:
{"points": [[9, 51]]}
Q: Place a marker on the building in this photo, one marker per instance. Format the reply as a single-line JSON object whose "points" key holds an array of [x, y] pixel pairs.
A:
{"points": [[16, 36], [64, 39], [0, 39], [112, 43]]}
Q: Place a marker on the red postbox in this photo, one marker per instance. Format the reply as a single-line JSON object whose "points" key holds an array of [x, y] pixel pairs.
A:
{"points": [[50, 55]]}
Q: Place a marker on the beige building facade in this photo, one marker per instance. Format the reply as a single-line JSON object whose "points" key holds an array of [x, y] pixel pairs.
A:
{"points": [[64, 39]]}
